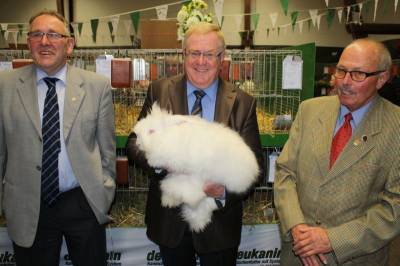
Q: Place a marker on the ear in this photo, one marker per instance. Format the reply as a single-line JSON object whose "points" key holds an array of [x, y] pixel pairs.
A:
{"points": [[382, 78], [70, 45]]}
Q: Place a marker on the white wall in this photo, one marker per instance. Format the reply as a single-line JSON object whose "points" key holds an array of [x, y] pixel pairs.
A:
{"points": [[84, 10]]}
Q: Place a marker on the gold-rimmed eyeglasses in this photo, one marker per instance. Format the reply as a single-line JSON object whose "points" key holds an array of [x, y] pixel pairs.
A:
{"points": [[355, 75], [51, 36], [208, 55]]}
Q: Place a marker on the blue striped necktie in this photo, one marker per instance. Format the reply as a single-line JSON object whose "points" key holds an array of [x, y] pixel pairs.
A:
{"points": [[197, 108], [51, 144]]}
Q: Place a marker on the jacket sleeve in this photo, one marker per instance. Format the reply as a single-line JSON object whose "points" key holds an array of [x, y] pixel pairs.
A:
{"points": [[285, 192]]}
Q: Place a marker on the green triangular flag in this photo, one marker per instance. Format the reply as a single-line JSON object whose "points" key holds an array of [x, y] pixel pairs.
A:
{"points": [[385, 4], [267, 32], [135, 16], [279, 30], [309, 24], [110, 27], [293, 17], [94, 23], [222, 22], [2, 32], [132, 37], [330, 16], [285, 5], [367, 6], [20, 27], [80, 25], [254, 20], [241, 33]]}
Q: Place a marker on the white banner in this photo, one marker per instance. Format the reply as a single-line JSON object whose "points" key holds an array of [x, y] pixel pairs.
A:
{"points": [[260, 246]]}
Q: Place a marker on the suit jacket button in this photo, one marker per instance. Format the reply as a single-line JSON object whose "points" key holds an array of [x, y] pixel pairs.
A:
{"points": [[39, 168], [318, 222]]}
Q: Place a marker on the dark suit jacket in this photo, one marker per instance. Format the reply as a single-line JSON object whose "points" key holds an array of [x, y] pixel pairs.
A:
{"points": [[165, 226]]}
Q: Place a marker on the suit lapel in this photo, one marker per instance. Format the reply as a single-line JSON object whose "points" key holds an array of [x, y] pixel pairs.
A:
{"points": [[323, 134], [178, 96], [74, 95], [27, 90], [362, 140], [225, 98]]}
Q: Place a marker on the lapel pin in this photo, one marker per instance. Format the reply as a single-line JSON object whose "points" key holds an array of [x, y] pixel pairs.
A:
{"points": [[364, 138]]}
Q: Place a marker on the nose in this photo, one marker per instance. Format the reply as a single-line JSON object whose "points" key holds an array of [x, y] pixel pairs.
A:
{"points": [[201, 59], [347, 78], [44, 40]]}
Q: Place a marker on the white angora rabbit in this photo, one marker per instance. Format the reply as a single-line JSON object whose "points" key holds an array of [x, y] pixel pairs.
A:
{"points": [[193, 151]]}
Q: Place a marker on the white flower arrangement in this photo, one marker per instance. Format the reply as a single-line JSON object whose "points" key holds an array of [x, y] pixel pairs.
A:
{"points": [[191, 14]]}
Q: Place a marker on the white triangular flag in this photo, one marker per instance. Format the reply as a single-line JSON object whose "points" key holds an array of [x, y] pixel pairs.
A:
{"points": [[6, 35], [218, 5], [162, 12], [114, 22], [327, 3], [4, 26], [375, 7], [319, 21], [128, 26], [274, 18], [74, 26], [339, 14], [300, 26], [14, 37], [313, 15], [348, 13], [285, 30], [238, 21], [395, 4], [360, 6]]}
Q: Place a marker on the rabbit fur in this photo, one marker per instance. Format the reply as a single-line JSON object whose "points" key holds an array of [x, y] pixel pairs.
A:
{"points": [[193, 151]]}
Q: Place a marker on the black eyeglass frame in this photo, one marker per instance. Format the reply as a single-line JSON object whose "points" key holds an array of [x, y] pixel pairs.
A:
{"points": [[355, 72], [51, 36]]}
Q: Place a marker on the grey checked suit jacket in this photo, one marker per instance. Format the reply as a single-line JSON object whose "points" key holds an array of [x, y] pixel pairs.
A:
{"points": [[358, 199], [89, 138]]}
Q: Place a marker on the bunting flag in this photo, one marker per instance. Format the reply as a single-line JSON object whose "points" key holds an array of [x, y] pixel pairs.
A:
{"points": [[114, 22], [293, 17], [162, 12], [128, 27], [319, 20], [4, 26], [367, 6], [348, 13], [274, 18], [285, 30], [14, 37], [6, 35], [279, 30], [309, 24], [267, 32], [218, 6], [285, 5], [135, 17], [360, 7], [254, 20], [395, 5], [313, 15], [238, 21], [20, 28], [2, 34], [375, 8], [340, 13], [111, 28], [222, 22], [241, 34], [327, 3], [330, 16], [300, 25], [94, 23], [80, 26]]}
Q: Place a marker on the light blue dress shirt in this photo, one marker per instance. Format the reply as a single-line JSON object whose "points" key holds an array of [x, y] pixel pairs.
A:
{"points": [[358, 115], [67, 179]]}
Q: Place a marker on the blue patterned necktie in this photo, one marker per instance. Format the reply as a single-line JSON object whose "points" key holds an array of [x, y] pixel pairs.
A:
{"points": [[51, 144], [197, 108]]}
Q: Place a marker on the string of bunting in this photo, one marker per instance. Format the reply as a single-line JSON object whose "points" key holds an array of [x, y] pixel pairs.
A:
{"points": [[313, 18]]}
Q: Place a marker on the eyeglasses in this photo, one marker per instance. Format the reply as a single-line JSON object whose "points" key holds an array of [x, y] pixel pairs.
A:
{"points": [[355, 75], [208, 55], [51, 36]]}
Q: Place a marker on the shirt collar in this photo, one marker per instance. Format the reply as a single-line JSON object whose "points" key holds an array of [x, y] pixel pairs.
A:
{"points": [[61, 74], [211, 91], [357, 114]]}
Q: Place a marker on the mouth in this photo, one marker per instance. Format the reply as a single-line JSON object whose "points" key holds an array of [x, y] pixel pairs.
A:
{"points": [[346, 91], [46, 53]]}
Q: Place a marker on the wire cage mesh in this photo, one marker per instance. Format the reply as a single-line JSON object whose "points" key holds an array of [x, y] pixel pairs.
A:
{"points": [[258, 72]]}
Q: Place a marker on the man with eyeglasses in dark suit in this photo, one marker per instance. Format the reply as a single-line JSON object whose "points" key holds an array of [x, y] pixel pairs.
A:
{"points": [[217, 245]]}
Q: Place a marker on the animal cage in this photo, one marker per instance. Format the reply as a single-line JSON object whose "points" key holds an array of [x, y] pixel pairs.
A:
{"points": [[258, 72]]}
